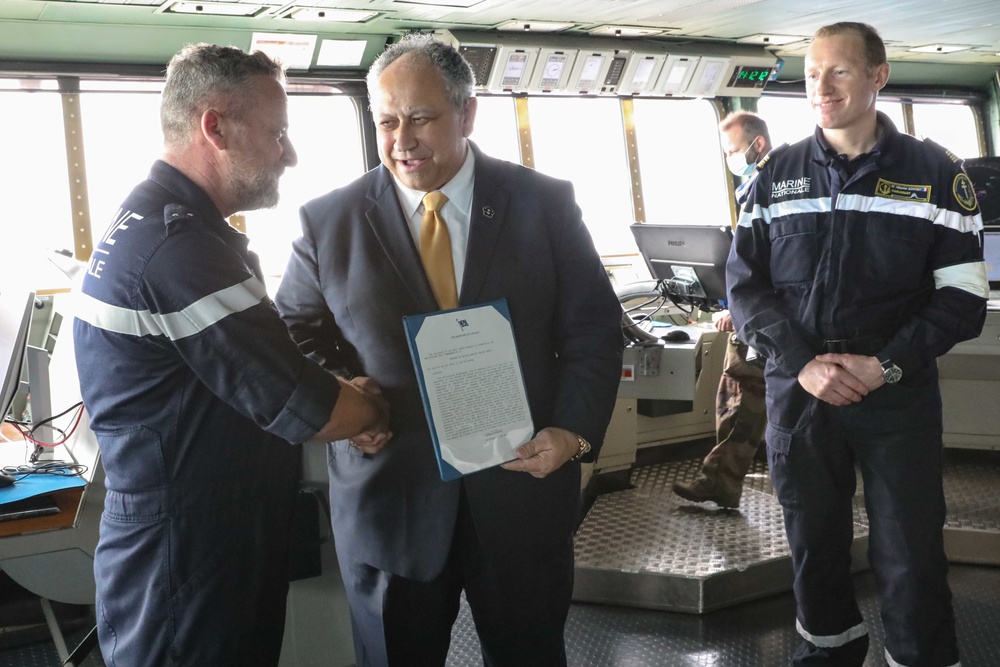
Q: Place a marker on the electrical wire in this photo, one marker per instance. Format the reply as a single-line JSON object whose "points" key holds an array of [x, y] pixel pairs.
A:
{"points": [[28, 433], [57, 468], [32, 467]]}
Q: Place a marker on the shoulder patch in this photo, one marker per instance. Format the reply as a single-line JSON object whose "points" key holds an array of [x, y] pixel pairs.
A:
{"points": [[771, 153], [174, 214], [951, 156], [964, 192], [176, 211]]}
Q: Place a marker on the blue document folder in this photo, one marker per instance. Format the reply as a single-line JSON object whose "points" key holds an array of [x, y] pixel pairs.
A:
{"points": [[471, 386]]}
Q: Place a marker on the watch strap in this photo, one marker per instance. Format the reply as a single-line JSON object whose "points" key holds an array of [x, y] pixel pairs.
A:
{"points": [[583, 450]]}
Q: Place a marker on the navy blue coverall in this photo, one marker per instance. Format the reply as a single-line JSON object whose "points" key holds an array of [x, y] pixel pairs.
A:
{"points": [[880, 256], [194, 390]]}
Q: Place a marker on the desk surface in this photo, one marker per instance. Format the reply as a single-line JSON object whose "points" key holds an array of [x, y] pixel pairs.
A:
{"points": [[68, 502], [37, 484], [66, 492]]}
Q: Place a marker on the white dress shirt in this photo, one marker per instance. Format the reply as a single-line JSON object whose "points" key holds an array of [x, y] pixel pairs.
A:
{"points": [[457, 211]]}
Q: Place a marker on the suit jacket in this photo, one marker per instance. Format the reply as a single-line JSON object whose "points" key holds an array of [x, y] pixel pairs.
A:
{"points": [[355, 273]]}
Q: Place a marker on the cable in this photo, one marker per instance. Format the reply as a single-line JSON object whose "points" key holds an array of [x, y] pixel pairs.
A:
{"points": [[28, 433], [663, 292], [57, 468], [644, 316], [54, 417]]}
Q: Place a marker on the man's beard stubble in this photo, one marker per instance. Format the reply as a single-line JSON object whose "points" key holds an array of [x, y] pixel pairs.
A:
{"points": [[254, 187]]}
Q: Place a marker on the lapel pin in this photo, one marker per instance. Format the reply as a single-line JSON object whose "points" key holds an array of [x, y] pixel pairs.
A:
{"points": [[488, 211]]}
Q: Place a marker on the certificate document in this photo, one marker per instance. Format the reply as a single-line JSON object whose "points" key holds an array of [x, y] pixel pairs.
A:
{"points": [[471, 385]]}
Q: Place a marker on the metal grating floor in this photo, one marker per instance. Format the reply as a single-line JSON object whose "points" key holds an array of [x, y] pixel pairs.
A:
{"points": [[636, 530], [760, 633], [646, 547], [757, 632], [657, 554]]}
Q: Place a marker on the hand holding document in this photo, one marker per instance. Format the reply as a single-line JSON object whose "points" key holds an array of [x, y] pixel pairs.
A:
{"points": [[545, 453], [471, 385]]}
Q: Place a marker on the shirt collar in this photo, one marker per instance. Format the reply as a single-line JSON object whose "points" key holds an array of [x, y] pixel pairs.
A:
{"points": [[458, 189], [887, 133], [186, 191]]}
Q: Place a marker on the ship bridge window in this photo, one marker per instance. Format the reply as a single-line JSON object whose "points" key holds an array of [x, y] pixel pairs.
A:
{"points": [[327, 138], [122, 138], [581, 141], [682, 163], [496, 127], [951, 125], [35, 188], [789, 119]]}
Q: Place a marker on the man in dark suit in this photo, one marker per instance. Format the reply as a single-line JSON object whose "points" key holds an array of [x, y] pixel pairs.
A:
{"points": [[408, 542]]}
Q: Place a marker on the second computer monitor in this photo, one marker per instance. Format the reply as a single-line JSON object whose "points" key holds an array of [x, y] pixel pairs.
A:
{"points": [[691, 258]]}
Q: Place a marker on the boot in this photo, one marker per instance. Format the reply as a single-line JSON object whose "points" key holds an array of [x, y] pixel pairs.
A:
{"points": [[704, 489]]}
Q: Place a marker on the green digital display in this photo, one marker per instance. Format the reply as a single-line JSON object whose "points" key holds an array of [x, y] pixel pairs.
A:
{"points": [[746, 76]]}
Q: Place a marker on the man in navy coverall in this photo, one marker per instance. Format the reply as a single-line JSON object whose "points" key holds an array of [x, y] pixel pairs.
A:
{"points": [[195, 389], [857, 262]]}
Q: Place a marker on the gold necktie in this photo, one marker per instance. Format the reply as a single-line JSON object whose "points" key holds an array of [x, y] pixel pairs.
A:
{"points": [[435, 251]]}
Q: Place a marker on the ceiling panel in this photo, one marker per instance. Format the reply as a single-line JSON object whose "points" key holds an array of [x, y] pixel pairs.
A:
{"points": [[903, 24]]}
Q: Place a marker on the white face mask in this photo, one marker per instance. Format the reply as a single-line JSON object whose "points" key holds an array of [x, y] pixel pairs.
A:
{"points": [[741, 165]]}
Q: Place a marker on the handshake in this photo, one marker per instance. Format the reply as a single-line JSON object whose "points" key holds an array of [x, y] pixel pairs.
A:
{"points": [[360, 415]]}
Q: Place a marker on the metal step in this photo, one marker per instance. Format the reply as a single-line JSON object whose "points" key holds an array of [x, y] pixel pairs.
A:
{"points": [[645, 547]]}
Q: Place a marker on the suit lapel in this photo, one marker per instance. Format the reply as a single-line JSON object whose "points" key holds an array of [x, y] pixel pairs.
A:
{"points": [[392, 231], [489, 212]]}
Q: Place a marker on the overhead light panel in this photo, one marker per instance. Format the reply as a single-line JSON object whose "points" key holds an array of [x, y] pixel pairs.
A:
{"points": [[534, 26], [212, 8], [291, 50], [442, 3], [771, 40], [626, 31], [940, 48], [341, 52], [328, 14]]}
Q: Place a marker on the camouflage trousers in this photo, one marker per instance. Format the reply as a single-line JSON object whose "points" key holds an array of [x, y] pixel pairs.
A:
{"points": [[740, 417]]}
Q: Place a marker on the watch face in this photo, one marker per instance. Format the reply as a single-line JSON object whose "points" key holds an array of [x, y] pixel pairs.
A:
{"points": [[892, 374]]}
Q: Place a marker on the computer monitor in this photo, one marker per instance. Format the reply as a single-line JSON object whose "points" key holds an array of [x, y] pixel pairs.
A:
{"points": [[15, 316], [690, 259], [991, 254]]}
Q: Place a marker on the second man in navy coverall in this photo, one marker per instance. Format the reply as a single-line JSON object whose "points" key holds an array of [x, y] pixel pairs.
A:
{"points": [[856, 263]]}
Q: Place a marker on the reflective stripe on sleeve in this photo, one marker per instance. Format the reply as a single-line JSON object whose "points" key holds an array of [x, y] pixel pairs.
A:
{"points": [[833, 641], [893, 663], [746, 218], [969, 277], [193, 319]]}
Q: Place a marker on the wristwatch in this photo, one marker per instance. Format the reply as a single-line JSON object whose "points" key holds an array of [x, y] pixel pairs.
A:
{"points": [[891, 373], [584, 448]]}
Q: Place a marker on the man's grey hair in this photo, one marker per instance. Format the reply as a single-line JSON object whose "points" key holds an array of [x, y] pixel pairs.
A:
{"points": [[202, 76], [459, 81]]}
